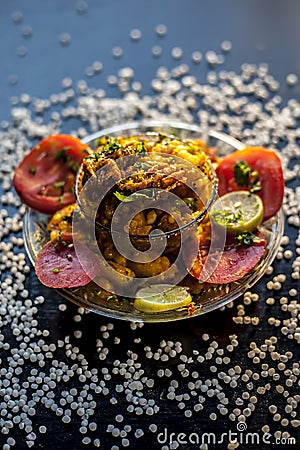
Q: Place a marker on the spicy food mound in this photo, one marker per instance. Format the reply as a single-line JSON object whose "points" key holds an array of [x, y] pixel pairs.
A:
{"points": [[145, 187]]}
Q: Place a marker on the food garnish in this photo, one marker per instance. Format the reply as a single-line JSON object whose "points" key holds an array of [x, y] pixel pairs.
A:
{"points": [[247, 238], [45, 178], [233, 262], [238, 212], [250, 166], [245, 177], [59, 267], [157, 298]]}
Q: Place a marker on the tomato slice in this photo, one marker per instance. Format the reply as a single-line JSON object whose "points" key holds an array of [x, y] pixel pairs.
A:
{"points": [[268, 166], [45, 178], [233, 262], [57, 266]]}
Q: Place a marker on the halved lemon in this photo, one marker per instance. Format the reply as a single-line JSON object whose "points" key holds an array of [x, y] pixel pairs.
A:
{"points": [[161, 297], [238, 211]]}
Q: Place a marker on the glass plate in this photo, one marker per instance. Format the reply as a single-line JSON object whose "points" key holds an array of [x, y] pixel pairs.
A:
{"points": [[36, 235]]}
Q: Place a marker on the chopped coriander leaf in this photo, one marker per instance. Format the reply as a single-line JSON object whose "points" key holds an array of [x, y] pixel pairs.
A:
{"points": [[59, 239], [161, 137], [130, 198], [32, 170], [110, 148], [55, 270], [192, 203], [74, 166], [244, 176], [140, 148], [69, 257], [59, 184], [62, 154], [242, 173], [121, 197], [225, 217], [247, 238], [67, 158]]}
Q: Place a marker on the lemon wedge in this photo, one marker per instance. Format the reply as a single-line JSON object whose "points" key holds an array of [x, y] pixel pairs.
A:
{"points": [[238, 212], [161, 297]]}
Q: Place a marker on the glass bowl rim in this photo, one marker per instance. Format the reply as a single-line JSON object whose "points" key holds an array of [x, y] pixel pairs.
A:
{"points": [[275, 229]]}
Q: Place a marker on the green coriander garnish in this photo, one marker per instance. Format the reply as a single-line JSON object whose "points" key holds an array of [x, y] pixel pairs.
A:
{"points": [[134, 196], [32, 170], [62, 154], [224, 217], [242, 173], [140, 148], [68, 159], [244, 176], [247, 238], [59, 184], [192, 203], [74, 166], [55, 270], [110, 148]]}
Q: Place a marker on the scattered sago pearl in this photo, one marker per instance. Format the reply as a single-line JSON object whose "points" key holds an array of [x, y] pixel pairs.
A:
{"points": [[293, 292], [291, 79], [135, 34], [288, 254], [226, 46], [196, 57], [117, 52], [65, 39], [161, 30], [62, 307], [176, 52], [156, 50]]}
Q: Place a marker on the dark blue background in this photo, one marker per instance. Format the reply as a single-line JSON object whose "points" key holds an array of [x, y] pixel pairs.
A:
{"points": [[265, 31]]}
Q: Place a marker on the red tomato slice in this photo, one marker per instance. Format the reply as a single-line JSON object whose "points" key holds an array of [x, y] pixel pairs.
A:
{"points": [[45, 178], [268, 165], [234, 262], [59, 267]]}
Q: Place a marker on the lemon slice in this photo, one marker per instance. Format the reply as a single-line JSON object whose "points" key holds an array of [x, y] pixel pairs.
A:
{"points": [[238, 211], [161, 297]]}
